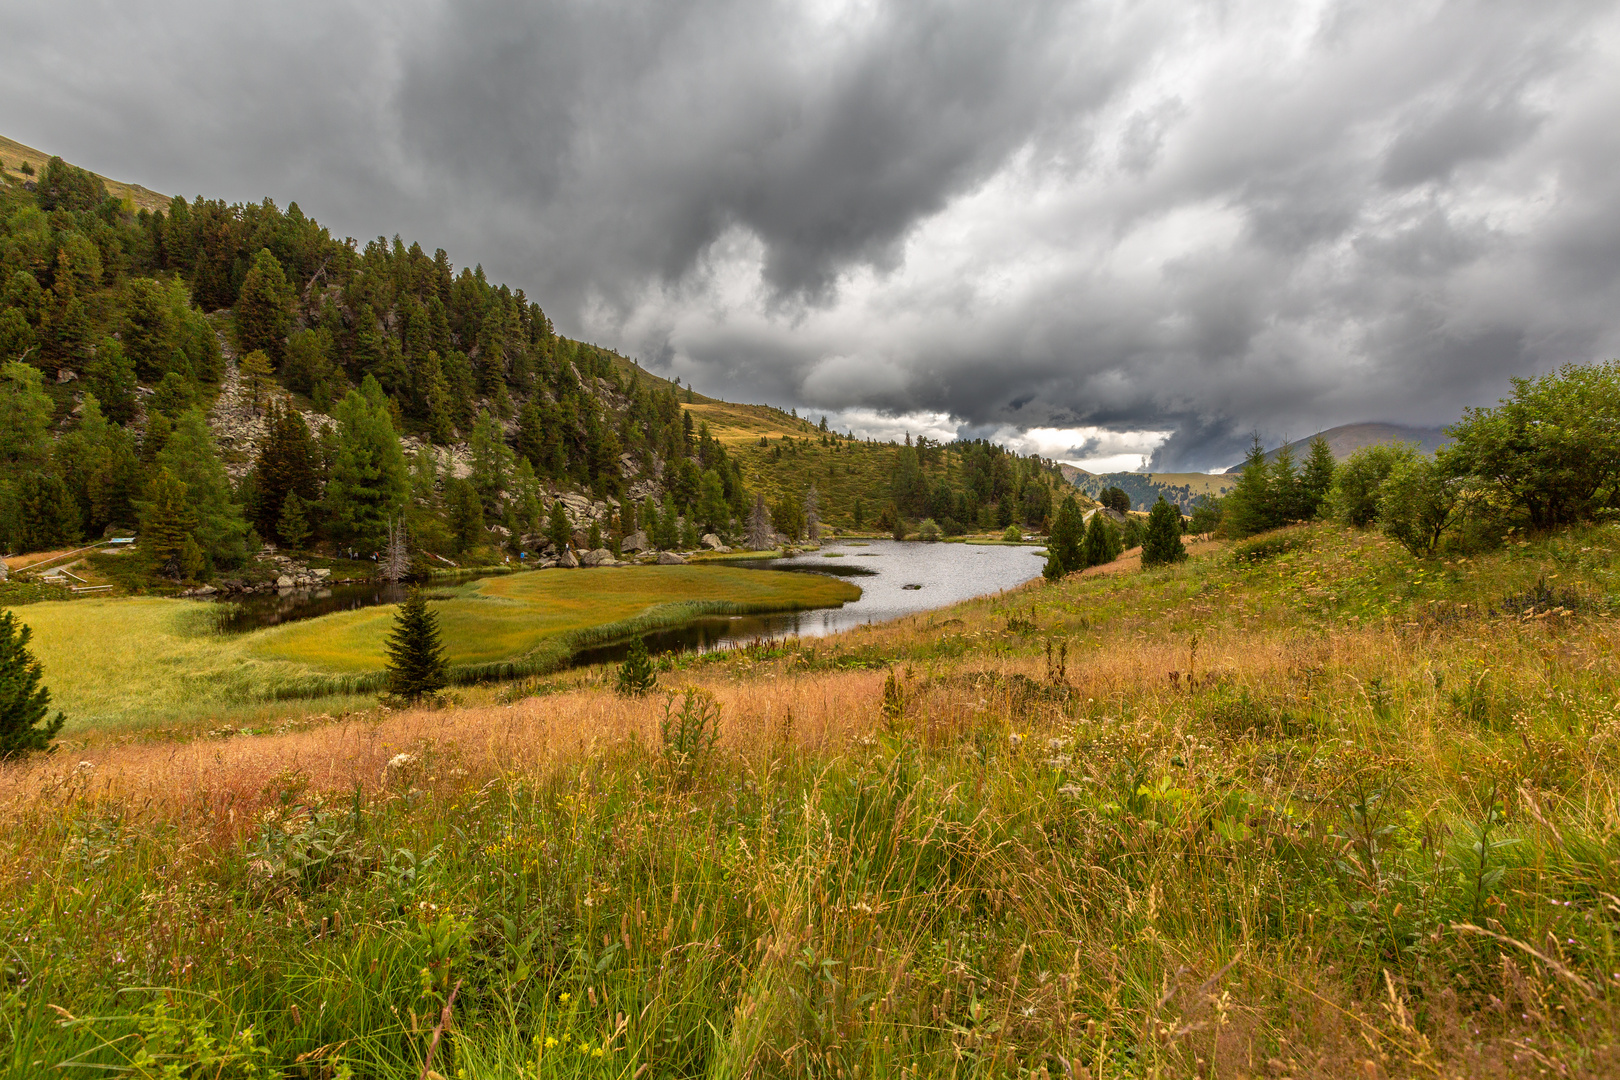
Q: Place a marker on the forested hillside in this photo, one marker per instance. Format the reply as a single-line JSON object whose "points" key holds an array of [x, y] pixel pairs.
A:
{"points": [[219, 376]]}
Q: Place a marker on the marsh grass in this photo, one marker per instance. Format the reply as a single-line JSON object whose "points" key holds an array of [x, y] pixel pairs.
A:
{"points": [[132, 662], [1247, 831]]}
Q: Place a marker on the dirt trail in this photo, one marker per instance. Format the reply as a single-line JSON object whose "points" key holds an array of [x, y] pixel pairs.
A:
{"points": [[1131, 560]]}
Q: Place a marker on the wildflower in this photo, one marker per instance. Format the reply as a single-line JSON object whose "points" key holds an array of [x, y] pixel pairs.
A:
{"points": [[597, 1052], [563, 997], [551, 1042]]}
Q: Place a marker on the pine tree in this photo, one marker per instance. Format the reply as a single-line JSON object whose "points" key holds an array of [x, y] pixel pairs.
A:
{"points": [[1162, 544], [1102, 543], [264, 308], [416, 662], [293, 525], [558, 529], [636, 675], [1063, 555], [287, 465], [24, 703]]}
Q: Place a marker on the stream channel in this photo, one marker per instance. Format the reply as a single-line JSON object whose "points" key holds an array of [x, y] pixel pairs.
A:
{"points": [[896, 578]]}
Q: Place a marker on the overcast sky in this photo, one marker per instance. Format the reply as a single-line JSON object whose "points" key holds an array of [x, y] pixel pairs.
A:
{"points": [[1100, 230]]}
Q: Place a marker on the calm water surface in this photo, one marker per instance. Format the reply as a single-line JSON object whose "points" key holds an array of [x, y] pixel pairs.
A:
{"points": [[895, 577]]}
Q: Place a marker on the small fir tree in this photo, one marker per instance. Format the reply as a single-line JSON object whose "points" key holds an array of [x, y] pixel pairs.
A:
{"points": [[594, 537], [416, 663], [24, 703], [264, 307], [166, 524], [1162, 544], [636, 675]]}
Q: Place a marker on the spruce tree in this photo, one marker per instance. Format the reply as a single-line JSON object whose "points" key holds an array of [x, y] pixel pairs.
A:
{"points": [[190, 454], [1162, 544], [1101, 544], [287, 465], [264, 308], [1246, 509], [416, 663], [636, 675], [1316, 479], [24, 703]]}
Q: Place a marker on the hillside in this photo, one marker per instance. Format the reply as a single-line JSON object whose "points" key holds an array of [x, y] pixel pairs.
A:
{"points": [[1346, 439], [1144, 489], [305, 391], [13, 154]]}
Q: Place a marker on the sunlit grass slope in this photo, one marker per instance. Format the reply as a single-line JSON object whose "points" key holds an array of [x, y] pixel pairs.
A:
{"points": [[13, 154], [146, 662]]}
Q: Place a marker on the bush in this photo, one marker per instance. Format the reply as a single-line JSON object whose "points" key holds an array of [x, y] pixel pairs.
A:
{"points": [[927, 530], [1356, 486], [1270, 546], [1013, 535], [1552, 448], [1417, 503]]}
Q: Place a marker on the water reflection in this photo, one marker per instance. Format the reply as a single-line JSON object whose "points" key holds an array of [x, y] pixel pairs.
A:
{"points": [[901, 578]]}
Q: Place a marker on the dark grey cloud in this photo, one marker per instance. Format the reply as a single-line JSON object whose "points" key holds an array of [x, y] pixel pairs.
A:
{"points": [[1092, 218]]}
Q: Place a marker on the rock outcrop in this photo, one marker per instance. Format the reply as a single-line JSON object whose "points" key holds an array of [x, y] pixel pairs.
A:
{"points": [[669, 558]]}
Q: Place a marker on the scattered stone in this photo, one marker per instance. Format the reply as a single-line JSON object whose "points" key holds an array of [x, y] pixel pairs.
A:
{"points": [[669, 558], [285, 581], [568, 561], [323, 572], [710, 542], [636, 541], [206, 590], [598, 557]]}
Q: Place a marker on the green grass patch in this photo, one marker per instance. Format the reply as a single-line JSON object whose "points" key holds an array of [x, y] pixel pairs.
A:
{"points": [[120, 662]]}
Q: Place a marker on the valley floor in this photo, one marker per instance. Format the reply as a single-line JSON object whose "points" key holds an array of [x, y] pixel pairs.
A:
{"points": [[1319, 811]]}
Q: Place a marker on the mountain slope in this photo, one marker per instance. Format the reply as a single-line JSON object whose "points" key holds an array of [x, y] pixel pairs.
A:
{"points": [[13, 154]]}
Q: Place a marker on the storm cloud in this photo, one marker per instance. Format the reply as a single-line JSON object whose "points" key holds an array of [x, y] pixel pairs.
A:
{"points": [[1101, 230]]}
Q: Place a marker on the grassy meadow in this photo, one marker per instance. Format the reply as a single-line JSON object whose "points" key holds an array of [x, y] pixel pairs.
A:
{"points": [[140, 662], [1302, 807]]}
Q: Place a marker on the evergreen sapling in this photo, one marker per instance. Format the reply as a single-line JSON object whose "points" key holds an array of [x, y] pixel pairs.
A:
{"points": [[1162, 544], [416, 663], [23, 702]]}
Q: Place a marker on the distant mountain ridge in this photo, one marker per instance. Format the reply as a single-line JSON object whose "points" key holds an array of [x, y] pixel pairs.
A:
{"points": [[1346, 439]]}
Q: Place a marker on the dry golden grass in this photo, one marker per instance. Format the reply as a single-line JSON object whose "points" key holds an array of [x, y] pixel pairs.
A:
{"points": [[13, 154]]}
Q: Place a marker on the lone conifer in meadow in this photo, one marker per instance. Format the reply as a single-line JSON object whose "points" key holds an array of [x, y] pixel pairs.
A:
{"points": [[1162, 544], [23, 702], [416, 663], [636, 674]]}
